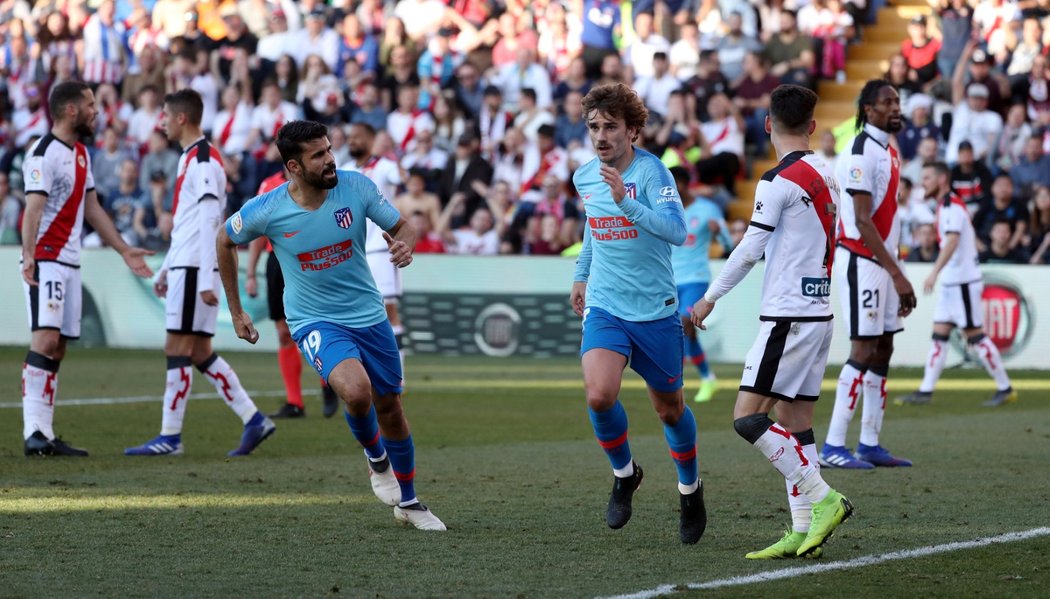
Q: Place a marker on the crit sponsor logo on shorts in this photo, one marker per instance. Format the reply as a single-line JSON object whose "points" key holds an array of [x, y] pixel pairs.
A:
{"points": [[611, 228], [816, 287], [326, 257]]}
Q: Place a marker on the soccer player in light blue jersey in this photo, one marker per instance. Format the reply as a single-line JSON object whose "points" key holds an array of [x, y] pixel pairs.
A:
{"points": [[692, 270], [316, 225], [624, 289]]}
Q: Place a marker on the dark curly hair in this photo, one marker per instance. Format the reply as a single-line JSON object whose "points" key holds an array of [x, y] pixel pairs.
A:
{"points": [[292, 135], [617, 101], [869, 95], [791, 108]]}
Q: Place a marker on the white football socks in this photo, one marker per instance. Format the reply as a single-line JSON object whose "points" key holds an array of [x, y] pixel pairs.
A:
{"points": [[39, 387], [874, 406], [935, 362], [785, 453], [848, 391], [989, 356], [225, 381], [176, 394]]}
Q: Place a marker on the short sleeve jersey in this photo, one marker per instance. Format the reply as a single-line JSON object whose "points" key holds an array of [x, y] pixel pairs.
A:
{"points": [[630, 272], [200, 178], [386, 175], [796, 201], [326, 275], [952, 217], [872, 166], [63, 174], [691, 259]]}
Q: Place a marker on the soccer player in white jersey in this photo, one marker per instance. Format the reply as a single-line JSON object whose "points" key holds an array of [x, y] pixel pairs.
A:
{"points": [[624, 289], [874, 291], [959, 300], [793, 226], [386, 174], [189, 282], [60, 195]]}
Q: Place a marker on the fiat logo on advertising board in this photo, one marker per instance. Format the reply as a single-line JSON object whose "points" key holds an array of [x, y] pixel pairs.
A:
{"points": [[1008, 316]]}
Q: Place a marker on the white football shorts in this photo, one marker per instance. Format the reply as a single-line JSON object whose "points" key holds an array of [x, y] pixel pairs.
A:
{"points": [[387, 276], [788, 358], [185, 311], [960, 305], [56, 301], [869, 300]]}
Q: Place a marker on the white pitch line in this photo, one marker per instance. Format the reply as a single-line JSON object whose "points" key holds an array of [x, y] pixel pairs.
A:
{"points": [[107, 401], [860, 562]]}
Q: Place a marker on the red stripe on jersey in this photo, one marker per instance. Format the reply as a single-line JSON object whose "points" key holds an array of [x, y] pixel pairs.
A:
{"points": [[884, 214], [57, 235], [812, 183], [952, 199], [213, 153]]}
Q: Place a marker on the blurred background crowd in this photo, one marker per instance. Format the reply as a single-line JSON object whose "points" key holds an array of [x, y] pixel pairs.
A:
{"points": [[479, 101]]}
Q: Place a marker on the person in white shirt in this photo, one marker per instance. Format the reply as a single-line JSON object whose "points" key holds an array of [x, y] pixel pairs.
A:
{"points": [[317, 38], [523, 73], [723, 143], [405, 123], [279, 42], [656, 90], [959, 300], [232, 128], [973, 122], [639, 55], [146, 119], [478, 239], [270, 114]]}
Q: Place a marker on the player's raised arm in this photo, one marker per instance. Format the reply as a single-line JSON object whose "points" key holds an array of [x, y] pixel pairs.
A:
{"points": [[666, 218]]}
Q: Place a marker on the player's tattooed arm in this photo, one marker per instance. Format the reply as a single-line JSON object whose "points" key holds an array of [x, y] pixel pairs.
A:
{"points": [[401, 239]]}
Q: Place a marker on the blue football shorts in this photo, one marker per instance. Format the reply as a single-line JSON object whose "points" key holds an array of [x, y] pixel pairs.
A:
{"points": [[325, 345], [689, 294], [653, 348]]}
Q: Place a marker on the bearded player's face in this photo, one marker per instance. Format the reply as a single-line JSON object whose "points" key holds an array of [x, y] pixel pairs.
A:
{"points": [[87, 113], [318, 164]]}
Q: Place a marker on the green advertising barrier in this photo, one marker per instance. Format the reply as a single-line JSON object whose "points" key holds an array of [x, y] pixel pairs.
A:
{"points": [[518, 305]]}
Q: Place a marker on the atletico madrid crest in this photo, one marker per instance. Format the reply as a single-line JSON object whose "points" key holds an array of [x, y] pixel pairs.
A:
{"points": [[631, 190], [344, 218]]}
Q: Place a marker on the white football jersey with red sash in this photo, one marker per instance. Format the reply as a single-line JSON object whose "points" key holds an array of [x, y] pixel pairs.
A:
{"points": [[63, 174], [200, 178], [873, 167], [953, 217]]}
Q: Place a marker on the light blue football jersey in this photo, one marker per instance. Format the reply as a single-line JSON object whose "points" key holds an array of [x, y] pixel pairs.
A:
{"points": [[626, 255], [321, 252], [690, 260]]}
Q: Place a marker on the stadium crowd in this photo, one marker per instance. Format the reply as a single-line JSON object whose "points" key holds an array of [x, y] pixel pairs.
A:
{"points": [[479, 102]]}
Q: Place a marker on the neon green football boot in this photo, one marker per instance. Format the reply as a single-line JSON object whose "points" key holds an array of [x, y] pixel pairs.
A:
{"points": [[827, 516], [785, 548], [707, 390]]}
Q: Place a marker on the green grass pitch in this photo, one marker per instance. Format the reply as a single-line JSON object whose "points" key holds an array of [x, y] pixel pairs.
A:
{"points": [[506, 457]]}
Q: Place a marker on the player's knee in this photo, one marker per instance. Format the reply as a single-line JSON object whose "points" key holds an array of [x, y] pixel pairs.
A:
{"points": [[284, 337], [939, 337], [599, 401], [49, 345], [975, 338], [752, 427], [670, 412]]}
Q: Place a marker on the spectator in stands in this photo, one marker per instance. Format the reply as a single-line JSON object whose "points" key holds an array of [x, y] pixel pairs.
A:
{"points": [[827, 146], [233, 123], [920, 52], [913, 212], [394, 37], [556, 203], [976, 67], [575, 80], [150, 72], [973, 122], [367, 109], [146, 118], [449, 124], [401, 73], [917, 126], [734, 47], [1009, 148], [722, 140], [416, 197], [925, 247], [192, 35], [11, 208], [317, 38], [554, 161], [601, 27], [358, 45], [1035, 91], [1002, 206], [613, 70], [1039, 227], [103, 46], [107, 162], [751, 96], [158, 168], [971, 179], [646, 43], [521, 74], [477, 239], [685, 53], [1033, 168], [271, 113], [655, 89], [189, 72], [112, 111], [340, 148], [927, 152], [465, 169], [999, 250], [469, 89], [517, 161], [405, 123], [427, 240], [570, 128], [493, 121], [320, 94], [129, 206], [425, 157], [279, 42], [707, 82], [421, 17], [558, 44], [955, 24], [30, 120], [530, 116], [791, 53], [237, 38], [436, 67]]}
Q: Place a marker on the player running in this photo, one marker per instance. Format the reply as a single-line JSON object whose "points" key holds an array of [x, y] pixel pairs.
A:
{"points": [[875, 292], [60, 195], [386, 174], [624, 290], [692, 270], [792, 225], [316, 225], [959, 300], [189, 282], [288, 360]]}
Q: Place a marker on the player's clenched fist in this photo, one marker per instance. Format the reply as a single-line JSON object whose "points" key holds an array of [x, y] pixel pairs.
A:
{"points": [[578, 297], [400, 253], [242, 323]]}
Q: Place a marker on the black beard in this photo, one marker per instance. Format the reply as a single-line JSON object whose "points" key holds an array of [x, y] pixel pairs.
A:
{"points": [[319, 181], [358, 153], [84, 130]]}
